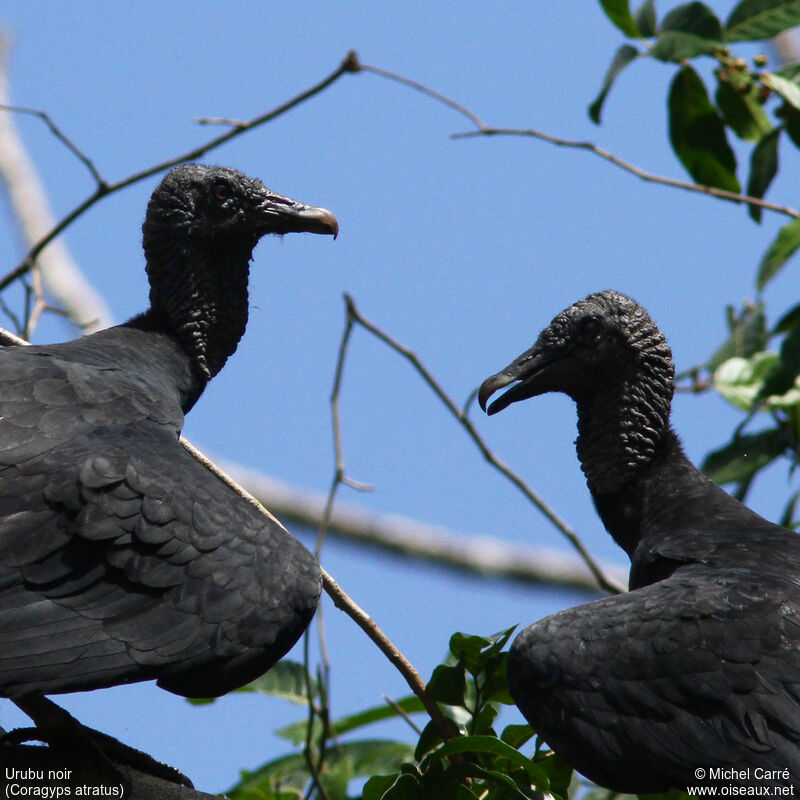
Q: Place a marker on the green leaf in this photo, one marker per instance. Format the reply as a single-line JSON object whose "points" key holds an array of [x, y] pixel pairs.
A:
{"points": [[281, 775], [516, 735], [619, 13], [789, 321], [406, 787], [496, 747], [687, 31], [372, 756], [787, 89], [645, 18], [467, 650], [740, 380], [376, 786], [748, 335], [695, 18], [763, 168], [558, 772], [296, 732], [781, 386], [428, 739], [674, 46], [753, 20], [288, 680], [698, 134], [622, 58], [493, 776], [791, 121], [742, 111], [494, 683], [744, 456], [447, 685], [779, 252]]}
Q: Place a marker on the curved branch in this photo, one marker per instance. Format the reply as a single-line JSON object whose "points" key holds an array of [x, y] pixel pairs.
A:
{"points": [[722, 194], [349, 64], [500, 466], [485, 130]]}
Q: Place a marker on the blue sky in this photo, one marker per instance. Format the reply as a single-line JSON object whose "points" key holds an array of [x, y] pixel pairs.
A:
{"points": [[463, 250]]}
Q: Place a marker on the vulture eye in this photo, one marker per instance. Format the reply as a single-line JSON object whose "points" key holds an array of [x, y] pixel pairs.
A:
{"points": [[221, 192], [591, 328]]}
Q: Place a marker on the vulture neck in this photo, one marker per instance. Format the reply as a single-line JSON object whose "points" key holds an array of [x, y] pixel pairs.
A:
{"points": [[198, 296], [633, 461]]}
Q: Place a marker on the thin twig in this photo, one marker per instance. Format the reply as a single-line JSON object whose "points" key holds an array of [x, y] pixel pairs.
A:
{"points": [[634, 170], [349, 64], [341, 600], [533, 497], [56, 131], [485, 130], [7, 338], [396, 706], [392, 76]]}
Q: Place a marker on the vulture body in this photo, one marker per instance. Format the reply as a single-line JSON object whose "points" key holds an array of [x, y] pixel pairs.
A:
{"points": [[121, 558], [691, 678]]}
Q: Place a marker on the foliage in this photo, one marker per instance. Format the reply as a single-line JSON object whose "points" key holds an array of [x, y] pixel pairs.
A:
{"points": [[470, 687], [761, 382]]}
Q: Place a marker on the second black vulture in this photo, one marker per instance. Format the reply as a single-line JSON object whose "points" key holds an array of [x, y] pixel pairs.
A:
{"points": [[691, 678], [121, 557]]}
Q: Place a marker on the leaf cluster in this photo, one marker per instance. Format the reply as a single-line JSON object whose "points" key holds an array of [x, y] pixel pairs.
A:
{"points": [[476, 762], [759, 381], [700, 124]]}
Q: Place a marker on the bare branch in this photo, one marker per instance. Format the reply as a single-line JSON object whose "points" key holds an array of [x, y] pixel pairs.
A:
{"points": [[485, 130], [342, 601], [722, 194], [349, 64], [30, 205], [425, 90], [480, 555], [504, 469]]}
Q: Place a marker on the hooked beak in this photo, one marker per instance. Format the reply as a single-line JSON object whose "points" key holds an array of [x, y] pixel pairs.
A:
{"points": [[278, 214], [535, 372]]}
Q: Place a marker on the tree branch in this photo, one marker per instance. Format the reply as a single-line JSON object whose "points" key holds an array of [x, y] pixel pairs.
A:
{"points": [[485, 130], [500, 466], [103, 188], [481, 555], [343, 602], [32, 210]]}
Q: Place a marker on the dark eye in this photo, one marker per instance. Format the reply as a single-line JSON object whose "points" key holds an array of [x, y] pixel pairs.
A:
{"points": [[221, 191], [591, 328]]}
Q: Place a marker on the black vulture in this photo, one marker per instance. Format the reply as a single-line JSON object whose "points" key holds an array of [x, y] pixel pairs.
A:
{"points": [[122, 558], [693, 676]]}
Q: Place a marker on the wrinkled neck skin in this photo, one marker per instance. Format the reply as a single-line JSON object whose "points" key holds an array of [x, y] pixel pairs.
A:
{"points": [[199, 294], [626, 449]]}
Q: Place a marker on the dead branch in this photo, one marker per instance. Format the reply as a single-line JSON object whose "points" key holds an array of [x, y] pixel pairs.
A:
{"points": [[481, 555], [32, 209], [104, 188], [485, 130], [500, 466]]}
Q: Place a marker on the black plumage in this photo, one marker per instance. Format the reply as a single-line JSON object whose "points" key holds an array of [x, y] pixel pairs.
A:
{"points": [[122, 558], [698, 666]]}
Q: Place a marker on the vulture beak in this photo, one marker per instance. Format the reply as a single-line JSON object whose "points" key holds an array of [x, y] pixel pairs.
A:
{"points": [[278, 214], [535, 372]]}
